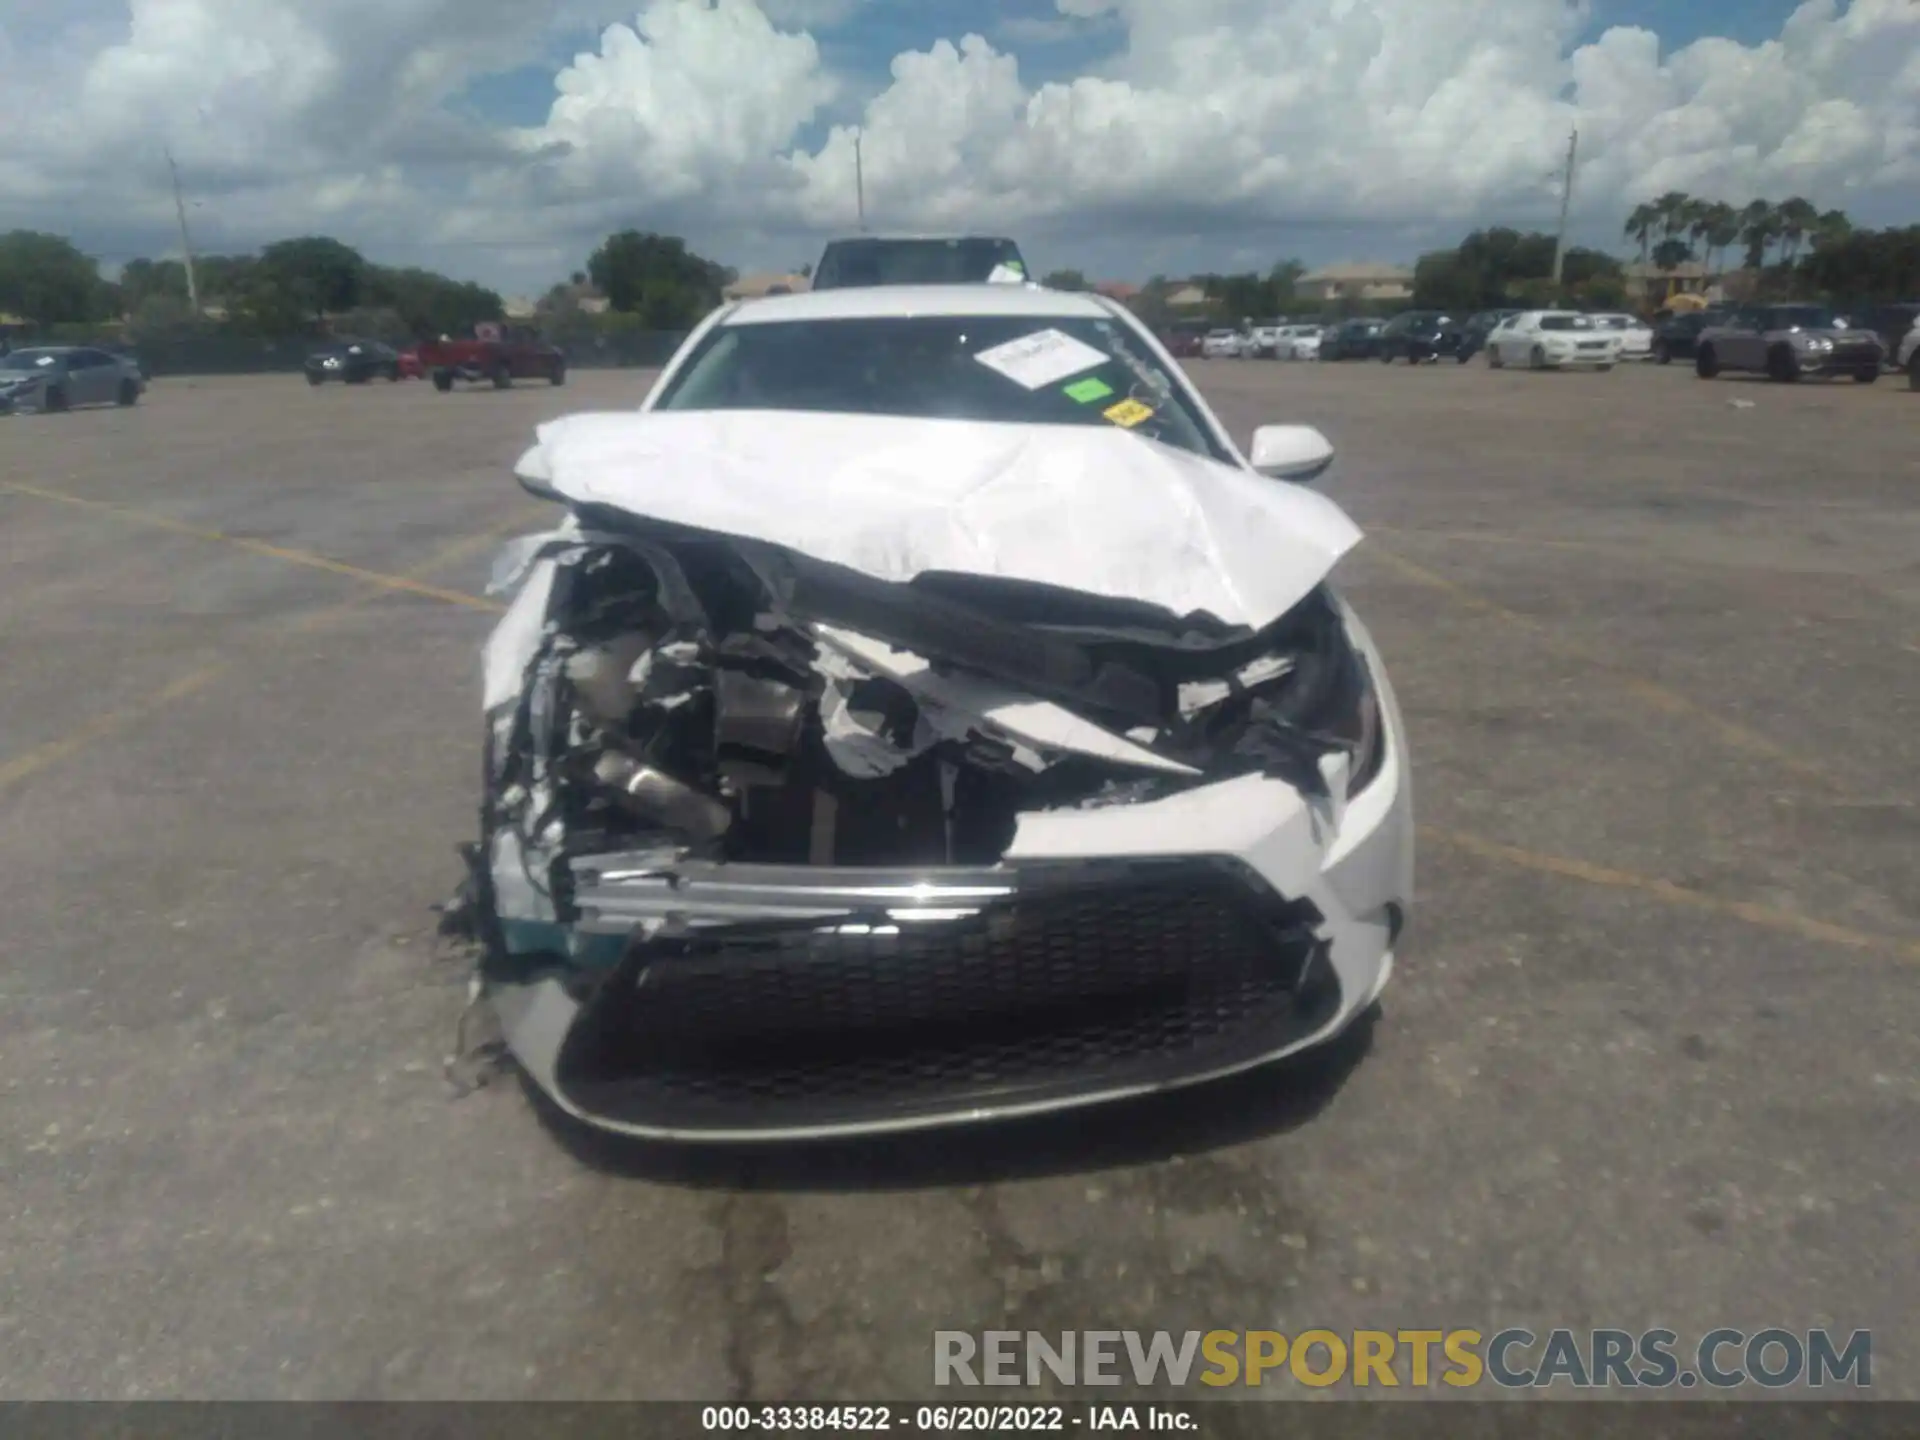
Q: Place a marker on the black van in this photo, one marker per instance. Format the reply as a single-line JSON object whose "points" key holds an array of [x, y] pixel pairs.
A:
{"points": [[916, 260]]}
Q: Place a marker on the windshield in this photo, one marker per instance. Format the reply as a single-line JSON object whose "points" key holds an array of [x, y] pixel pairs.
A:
{"points": [[28, 360], [1802, 317], [1063, 371], [913, 262], [1565, 322]]}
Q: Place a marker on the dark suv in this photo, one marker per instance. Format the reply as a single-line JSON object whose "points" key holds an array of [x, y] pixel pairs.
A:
{"points": [[1416, 335], [917, 260]]}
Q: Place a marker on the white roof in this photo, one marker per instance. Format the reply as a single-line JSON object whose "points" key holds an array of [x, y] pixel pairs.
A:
{"points": [[872, 302]]}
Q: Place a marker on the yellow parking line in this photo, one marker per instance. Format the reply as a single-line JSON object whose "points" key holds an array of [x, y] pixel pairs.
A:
{"points": [[101, 727], [1648, 692], [257, 547], [1784, 922]]}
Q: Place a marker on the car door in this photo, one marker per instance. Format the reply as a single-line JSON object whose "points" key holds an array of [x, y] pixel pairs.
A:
{"points": [[1744, 346], [1513, 339], [520, 354], [93, 378]]}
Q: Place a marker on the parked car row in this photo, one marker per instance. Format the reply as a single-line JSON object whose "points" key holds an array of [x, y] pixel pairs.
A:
{"points": [[1784, 341]]}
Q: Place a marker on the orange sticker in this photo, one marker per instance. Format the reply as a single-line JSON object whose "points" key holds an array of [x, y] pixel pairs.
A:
{"points": [[1128, 413]]}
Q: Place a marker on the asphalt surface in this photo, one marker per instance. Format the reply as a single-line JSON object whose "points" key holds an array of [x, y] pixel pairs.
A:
{"points": [[1652, 1055]]}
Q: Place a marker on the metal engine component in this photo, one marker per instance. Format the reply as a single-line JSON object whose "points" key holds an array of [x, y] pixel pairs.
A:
{"points": [[658, 797], [756, 726]]}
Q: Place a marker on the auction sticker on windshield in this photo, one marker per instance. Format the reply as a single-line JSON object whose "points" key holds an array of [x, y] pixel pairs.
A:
{"points": [[1042, 358], [1088, 390], [1128, 413]]}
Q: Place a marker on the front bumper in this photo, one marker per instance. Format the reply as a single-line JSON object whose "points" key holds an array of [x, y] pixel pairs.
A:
{"points": [[1111, 953], [1576, 359], [1846, 359]]}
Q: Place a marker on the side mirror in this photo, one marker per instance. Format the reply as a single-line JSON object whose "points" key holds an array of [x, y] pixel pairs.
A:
{"points": [[1290, 452]]}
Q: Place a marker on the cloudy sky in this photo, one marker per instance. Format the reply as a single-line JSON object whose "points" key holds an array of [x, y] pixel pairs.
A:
{"points": [[498, 139]]}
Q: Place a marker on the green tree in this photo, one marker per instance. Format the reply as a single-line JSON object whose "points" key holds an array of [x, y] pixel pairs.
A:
{"points": [[1492, 267], [314, 274], [1866, 265], [1281, 281], [1066, 280], [1832, 228], [143, 280], [657, 278], [1759, 228], [427, 303], [1640, 227], [43, 278], [1798, 220], [1720, 224], [1675, 209], [1671, 254]]}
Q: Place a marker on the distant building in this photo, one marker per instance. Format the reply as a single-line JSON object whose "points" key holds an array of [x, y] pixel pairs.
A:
{"points": [[1356, 282], [1650, 287], [1117, 290], [1186, 297], [758, 287], [519, 308]]}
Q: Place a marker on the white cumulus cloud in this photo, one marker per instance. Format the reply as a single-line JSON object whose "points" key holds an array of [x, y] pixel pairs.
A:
{"points": [[723, 119]]}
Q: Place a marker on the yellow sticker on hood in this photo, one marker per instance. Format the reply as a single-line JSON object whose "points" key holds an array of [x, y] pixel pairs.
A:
{"points": [[1128, 413]]}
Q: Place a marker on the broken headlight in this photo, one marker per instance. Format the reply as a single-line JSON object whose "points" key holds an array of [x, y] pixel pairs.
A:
{"points": [[1330, 695]]}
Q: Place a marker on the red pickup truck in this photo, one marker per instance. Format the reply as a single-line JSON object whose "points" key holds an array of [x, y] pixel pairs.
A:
{"points": [[499, 354]]}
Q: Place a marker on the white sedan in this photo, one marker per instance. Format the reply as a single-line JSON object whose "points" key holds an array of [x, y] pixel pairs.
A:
{"points": [[1636, 336], [1224, 344], [828, 792], [1552, 340], [1300, 342]]}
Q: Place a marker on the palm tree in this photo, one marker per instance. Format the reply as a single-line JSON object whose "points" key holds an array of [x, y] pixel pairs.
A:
{"points": [[1671, 254], [1640, 226], [1722, 223], [1759, 228], [1831, 228], [1673, 208], [1796, 218]]}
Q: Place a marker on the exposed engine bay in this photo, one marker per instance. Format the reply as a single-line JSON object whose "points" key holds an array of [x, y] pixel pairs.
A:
{"points": [[710, 699]]}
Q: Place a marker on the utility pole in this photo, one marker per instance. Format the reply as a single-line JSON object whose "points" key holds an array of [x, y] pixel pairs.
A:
{"points": [[859, 183], [1566, 202], [186, 243]]}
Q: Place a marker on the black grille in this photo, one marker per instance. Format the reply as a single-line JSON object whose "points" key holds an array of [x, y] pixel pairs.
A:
{"points": [[1071, 990]]}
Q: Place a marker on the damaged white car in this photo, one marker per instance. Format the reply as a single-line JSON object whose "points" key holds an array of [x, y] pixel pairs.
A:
{"points": [[926, 715]]}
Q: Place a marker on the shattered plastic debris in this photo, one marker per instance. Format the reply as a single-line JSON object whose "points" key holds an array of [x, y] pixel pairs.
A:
{"points": [[1740, 404]]}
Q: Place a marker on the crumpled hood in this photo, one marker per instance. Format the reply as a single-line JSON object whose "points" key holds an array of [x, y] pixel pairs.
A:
{"points": [[1088, 508]]}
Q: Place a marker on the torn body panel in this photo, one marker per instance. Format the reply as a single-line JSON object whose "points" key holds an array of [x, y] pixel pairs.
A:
{"points": [[776, 848]]}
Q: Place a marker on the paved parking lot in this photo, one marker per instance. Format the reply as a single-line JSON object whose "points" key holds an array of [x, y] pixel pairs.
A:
{"points": [[1652, 1055]]}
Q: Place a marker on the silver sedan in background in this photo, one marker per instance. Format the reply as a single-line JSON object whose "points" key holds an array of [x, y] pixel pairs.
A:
{"points": [[54, 378]]}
